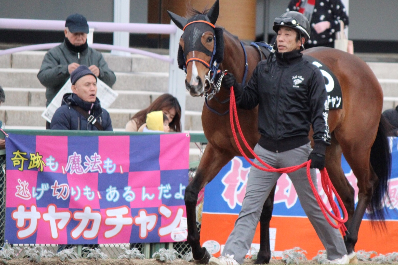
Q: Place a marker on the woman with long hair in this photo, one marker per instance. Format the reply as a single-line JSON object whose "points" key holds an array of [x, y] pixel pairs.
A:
{"points": [[166, 103]]}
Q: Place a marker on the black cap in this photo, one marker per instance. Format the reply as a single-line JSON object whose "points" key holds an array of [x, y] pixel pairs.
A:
{"points": [[76, 23], [79, 72]]}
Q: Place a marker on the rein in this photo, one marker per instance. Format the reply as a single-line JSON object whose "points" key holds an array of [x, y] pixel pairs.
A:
{"points": [[326, 183], [243, 82]]}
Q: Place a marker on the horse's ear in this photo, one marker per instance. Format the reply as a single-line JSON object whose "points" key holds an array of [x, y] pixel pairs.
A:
{"points": [[213, 12], [181, 58], [179, 21]]}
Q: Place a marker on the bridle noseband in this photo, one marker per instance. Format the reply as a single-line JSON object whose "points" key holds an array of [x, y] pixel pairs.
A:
{"points": [[214, 76]]}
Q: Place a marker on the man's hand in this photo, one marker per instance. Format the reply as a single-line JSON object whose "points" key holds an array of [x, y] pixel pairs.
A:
{"points": [[228, 80], [321, 26], [95, 70], [72, 67], [317, 160]]}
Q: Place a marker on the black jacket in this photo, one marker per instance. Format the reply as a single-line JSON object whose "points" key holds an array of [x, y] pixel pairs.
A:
{"points": [[67, 118], [290, 94]]}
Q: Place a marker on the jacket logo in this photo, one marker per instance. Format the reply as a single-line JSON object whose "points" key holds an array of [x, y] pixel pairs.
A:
{"points": [[297, 80]]}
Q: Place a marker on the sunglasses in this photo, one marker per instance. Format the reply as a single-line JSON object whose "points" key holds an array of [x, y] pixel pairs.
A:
{"points": [[288, 21]]}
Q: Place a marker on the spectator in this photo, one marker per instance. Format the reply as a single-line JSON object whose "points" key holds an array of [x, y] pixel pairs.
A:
{"points": [[166, 103], [156, 121], [61, 61], [2, 169], [290, 95], [324, 16], [81, 110], [391, 116]]}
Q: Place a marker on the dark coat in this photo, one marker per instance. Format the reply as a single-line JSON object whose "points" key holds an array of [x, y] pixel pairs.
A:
{"points": [[290, 95], [54, 69], [67, 118], [324, 10]]}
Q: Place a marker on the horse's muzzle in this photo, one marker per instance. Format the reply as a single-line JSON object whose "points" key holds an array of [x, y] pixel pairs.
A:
{"points": [[195, 90]]}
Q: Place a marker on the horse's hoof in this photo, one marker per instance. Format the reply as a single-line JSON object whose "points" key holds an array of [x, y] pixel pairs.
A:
{"points": [[262, 259], [205, 259], [353, 258]]}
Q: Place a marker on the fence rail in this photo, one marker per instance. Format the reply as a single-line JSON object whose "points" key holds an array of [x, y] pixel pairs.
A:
{"points": [[195, 137], [176, 76], [36, 24]]}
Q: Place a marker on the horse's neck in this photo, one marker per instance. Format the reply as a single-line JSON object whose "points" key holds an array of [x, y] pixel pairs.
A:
{"points": [[234, 61], [239, 60], [234, 57]]}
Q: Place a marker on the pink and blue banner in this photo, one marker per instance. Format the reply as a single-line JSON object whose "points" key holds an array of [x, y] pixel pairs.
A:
{"points": [[96, 189]]}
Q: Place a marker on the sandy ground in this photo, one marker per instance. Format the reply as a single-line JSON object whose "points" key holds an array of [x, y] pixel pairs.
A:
{"points": [[49, 261]]}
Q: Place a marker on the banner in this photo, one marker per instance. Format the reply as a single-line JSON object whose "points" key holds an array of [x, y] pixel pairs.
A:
{"points": [[96, 189], [289, 226]]}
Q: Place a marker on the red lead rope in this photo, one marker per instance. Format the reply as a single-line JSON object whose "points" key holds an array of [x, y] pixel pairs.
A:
{"points": [[326, 183]]}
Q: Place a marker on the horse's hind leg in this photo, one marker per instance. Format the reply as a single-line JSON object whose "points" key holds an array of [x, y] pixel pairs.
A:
{"points": [[366, 181], [210, 164], [357, 154], [264, 254]]}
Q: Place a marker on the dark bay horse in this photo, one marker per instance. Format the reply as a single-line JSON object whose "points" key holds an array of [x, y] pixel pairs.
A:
{"points": [[357, 130]]}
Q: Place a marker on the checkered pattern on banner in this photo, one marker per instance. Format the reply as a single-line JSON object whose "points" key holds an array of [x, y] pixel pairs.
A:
{"points": [[96, 189]]}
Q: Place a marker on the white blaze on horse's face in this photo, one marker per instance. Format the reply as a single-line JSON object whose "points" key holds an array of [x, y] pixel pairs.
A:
{"points": [[196, 69], [194, 73]]}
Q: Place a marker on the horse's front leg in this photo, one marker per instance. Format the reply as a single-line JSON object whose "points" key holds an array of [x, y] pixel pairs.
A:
{"points": [[264, 254], [210, 164]]}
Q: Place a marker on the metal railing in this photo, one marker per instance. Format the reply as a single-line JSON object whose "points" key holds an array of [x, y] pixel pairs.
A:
{"points": [[176, 76]]}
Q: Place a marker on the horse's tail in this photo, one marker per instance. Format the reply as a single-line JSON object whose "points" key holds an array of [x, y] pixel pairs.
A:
{"points": [[380, 159]]}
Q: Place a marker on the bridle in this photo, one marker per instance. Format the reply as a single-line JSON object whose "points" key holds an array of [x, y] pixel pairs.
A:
{"points": [[214, 76]]}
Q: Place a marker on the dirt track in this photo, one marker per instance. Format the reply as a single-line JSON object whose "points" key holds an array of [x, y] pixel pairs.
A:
{"points": [[55, 261]]}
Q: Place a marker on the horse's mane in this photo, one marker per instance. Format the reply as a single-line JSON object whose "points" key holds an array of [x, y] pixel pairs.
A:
{"points": [[232, 35], [191, 12]]}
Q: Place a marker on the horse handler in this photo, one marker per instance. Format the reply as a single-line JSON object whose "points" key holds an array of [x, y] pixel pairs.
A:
{"points": [[291, 96]]}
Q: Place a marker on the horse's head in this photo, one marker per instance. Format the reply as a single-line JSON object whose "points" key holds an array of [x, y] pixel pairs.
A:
{"points": [[201, 50]]}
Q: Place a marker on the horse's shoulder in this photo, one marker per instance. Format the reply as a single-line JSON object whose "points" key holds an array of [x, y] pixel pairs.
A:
{"points": [[311, 62]]}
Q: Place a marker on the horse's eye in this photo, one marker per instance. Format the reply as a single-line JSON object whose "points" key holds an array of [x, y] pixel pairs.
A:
{"points": [[209, 39]]}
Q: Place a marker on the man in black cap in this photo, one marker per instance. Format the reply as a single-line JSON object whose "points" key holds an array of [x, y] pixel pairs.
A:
{"points": [[61, 61], [81, 110]]}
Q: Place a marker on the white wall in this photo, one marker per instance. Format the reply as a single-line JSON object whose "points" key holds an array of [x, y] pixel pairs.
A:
{"points": [[93, 10], [373, 20], [138, 11]]}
